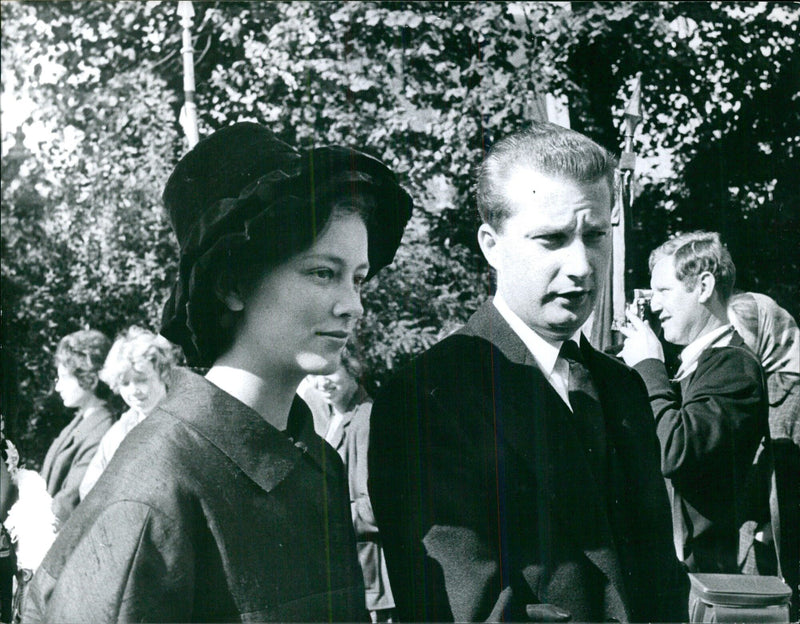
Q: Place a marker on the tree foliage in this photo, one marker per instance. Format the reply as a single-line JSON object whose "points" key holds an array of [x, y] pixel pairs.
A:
{"points": [[84, 239], [426, 86]]}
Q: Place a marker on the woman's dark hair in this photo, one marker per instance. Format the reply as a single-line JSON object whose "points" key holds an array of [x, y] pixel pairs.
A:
{"points": [[83, 353], [242, 202]]}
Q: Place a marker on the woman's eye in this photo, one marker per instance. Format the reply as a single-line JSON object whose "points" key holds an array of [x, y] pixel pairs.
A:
{"points": [[359, 280], [324, 274]]}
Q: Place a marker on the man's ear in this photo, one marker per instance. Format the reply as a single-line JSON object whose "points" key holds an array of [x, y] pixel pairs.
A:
{"points": [[487, 240], [706, 284], [228, 292]]}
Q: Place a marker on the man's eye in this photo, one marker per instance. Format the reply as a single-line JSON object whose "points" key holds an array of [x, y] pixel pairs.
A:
{"points": [[596, 235], [552, 240]]}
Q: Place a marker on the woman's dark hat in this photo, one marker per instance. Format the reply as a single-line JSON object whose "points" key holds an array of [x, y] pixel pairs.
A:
{"points": [[241, 190]]}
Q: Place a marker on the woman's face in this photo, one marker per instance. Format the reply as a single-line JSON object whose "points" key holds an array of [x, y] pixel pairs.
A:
{"points": [[141, 388], [72, 393], [300, 314]]}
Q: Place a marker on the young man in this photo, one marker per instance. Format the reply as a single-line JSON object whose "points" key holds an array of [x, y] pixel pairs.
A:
{"points": [[513, 479], [711, 418]]}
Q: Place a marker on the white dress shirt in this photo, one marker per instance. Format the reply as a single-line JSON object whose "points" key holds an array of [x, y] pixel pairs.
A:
{"points": [[544, 350]]}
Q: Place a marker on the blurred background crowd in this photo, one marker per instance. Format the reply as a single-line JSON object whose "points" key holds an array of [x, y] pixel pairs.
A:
{"points": [[92, 93]]}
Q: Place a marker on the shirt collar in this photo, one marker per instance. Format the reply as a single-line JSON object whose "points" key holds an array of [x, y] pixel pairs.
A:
{"points": [[544, 351], [700, 344], [718, 337]]}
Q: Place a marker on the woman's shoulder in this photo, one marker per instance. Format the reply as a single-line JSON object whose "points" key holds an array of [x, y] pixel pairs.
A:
{"points": [[98, 416]]}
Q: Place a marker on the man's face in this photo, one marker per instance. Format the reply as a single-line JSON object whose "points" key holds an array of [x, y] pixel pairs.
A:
{"points": [[552, 254], [683, 316], [336, 388]]}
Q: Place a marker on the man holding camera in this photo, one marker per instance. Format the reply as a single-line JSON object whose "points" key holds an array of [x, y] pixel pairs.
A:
{"points": [[711, 418], [513, 469]]}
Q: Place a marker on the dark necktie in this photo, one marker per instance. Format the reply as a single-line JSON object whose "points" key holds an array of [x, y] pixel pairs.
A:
{"points": [[587, 412]]}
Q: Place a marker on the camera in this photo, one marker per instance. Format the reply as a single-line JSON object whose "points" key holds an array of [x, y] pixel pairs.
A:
{"points": [[641, 303]]}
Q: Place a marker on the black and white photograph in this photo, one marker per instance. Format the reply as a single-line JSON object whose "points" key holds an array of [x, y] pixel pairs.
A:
{"points": [[399, 311]]}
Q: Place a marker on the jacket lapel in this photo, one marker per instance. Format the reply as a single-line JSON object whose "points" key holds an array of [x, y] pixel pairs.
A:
{"points": [[301, 432], [620, 443], [536, 424], [58, 446]]}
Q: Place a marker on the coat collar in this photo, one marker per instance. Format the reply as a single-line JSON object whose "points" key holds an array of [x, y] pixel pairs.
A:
{"points": [[488, 323], [263, 453], [78, 427]]}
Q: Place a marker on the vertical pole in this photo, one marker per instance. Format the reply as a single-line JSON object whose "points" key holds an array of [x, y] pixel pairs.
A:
{"points": [[188, 118], [627, 165]]}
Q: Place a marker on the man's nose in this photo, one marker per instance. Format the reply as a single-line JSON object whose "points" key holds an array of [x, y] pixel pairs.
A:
{"points": [[348, 303], [576, 263], [655, 303]]}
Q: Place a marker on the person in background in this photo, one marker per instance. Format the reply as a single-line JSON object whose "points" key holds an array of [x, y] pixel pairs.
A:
{"points": [[8, 563], [138, 368], [320, 410], [8, 489], [712, 417], [223, 504], [79, 358], [773, 335], [513, 468], [349, 406]]}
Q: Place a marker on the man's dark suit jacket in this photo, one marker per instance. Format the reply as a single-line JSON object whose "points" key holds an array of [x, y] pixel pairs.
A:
{"points": [[710, 425], [485, 498]]}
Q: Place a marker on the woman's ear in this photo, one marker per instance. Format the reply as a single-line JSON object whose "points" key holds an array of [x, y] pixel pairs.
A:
{"points": [[228, 292]]}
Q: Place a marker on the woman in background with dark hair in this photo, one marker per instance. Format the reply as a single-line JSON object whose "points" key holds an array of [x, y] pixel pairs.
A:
{"points": [[223, 504], [79, 358]]}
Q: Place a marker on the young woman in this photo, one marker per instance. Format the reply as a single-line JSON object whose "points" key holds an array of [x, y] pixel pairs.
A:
{"points": [[224, 505], [138, 368], [79, 358]]}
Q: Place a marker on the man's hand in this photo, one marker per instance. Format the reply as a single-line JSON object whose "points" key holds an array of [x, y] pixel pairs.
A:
{"points": [[641, 343], [535, 612], [546, 613]]}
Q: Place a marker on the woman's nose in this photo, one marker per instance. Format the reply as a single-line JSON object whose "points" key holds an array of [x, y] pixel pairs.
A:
{"points": [[349, 303]]}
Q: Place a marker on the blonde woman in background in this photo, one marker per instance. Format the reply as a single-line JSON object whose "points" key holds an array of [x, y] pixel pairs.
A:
{"points": [[772, 334], [138, 368]]}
